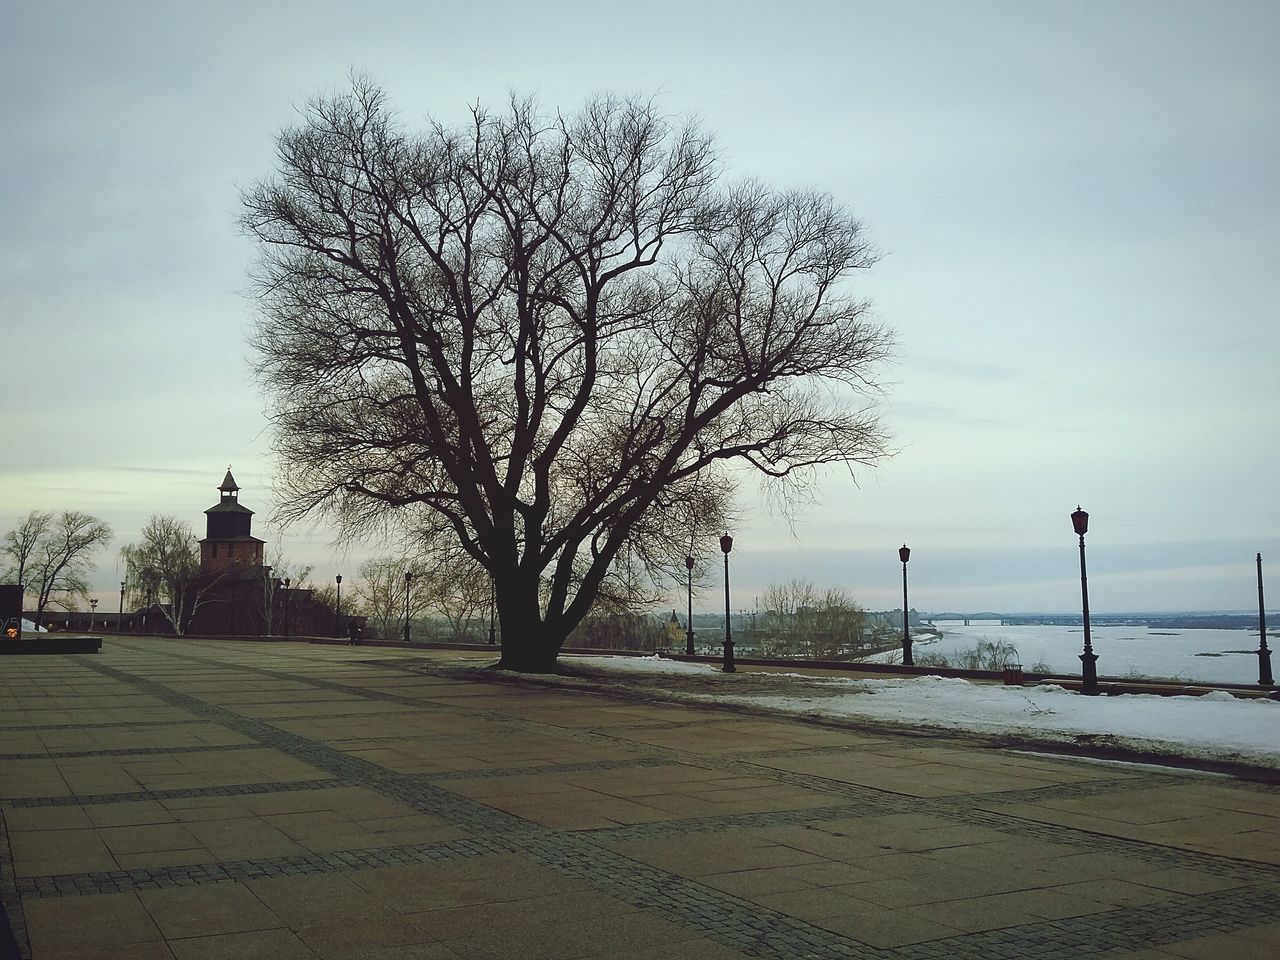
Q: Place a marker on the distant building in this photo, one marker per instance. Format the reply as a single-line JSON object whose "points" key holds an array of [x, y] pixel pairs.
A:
{"points": [[229, 542], [242, 597], [235, 594], [673, 634]]}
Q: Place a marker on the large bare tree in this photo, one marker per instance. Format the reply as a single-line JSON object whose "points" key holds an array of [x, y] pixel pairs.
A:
{"points": [[549, 338]]}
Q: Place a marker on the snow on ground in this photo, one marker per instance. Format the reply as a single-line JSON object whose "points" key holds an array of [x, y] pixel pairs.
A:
{"points": [[1215, 656], [1215, 726]]}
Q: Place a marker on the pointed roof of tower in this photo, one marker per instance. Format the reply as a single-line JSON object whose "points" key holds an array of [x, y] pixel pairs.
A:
{"points": [[229, 502]]}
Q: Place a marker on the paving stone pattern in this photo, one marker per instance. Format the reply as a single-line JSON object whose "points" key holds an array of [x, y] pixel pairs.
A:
{"points": [[477, 817]]}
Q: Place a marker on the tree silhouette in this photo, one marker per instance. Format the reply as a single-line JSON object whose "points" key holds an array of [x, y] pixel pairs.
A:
{"points": [[543, 340]]}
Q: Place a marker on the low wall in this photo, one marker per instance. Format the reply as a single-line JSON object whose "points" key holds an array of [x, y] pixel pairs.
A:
{"points": [[43, 643]]}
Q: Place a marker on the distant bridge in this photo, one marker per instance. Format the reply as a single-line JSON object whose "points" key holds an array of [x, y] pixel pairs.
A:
{"points": [[1183, 621]]}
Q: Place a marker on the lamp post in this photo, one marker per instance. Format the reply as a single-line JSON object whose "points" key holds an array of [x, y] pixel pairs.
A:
{"points": [[726, 544], [493, 611], [1264, 655], [93, 612], [408, 585], [286, 606], [904, 554], [337, 625], [688, 634], [1088, 659], [120, 616]]}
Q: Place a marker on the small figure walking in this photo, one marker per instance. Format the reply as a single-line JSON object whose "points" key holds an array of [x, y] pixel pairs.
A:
{"points": [[353, 635]]}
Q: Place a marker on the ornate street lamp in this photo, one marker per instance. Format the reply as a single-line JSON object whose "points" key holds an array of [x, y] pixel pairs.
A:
{"points": [[688, 634], [93, 612], [1088, 659], [726, 544], [286, 606], [1264, 655], [337, 623], [904, 554], [408, 581], [120, 616]]}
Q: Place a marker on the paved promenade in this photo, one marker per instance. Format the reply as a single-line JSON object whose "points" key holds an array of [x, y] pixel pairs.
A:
{"points": [[174, 799]]}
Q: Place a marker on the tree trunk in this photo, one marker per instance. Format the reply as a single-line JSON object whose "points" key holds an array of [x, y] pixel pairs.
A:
{"points": [[528, 646]]}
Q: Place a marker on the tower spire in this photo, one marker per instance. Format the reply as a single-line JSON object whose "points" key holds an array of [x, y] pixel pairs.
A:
{"points": [[230, 489]]}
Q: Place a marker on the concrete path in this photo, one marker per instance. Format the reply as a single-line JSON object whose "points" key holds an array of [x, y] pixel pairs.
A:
{"points": [[174, 799]]}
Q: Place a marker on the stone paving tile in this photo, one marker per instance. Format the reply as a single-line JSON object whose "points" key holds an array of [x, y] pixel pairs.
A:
{"points": [[241, 837], [878, 927], [151, 860], [32, 778], [113, 920], [1110, 893], [145, 950], [128, 814], [699, 948], [509, 917], [59, 851], [211, 910], [26, 819], [147, 838], [301, 901], [400, 938], [275, 944]]}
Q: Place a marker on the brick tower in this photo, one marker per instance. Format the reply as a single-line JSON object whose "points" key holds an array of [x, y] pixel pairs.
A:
{"points": [[229, 541]]}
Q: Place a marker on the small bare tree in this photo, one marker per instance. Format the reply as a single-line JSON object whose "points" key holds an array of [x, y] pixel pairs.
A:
{"points": [[380, 592], [273, 576], [461, 595], [548, 336], [55, 553], [798, 619], [164, 568], [22, 543]]}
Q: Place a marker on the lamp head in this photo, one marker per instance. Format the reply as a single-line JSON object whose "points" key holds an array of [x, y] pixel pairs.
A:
{"points": [[338, 578], [1080, 520], [904, 553], [726, 543], [688, 563]]}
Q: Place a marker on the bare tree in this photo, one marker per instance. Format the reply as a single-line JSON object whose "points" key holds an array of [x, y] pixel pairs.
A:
{"points": [[164, 568], [273, 576], [799, 619], [547, 335], [460, 593], [58, 555], [380, 592], [22, 543]]}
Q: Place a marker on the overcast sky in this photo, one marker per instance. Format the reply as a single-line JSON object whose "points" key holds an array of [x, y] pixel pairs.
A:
{"points": [[1078, 206]]}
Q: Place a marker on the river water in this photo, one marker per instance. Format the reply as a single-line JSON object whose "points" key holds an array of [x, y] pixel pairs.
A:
{"points": [[1221, 656]]}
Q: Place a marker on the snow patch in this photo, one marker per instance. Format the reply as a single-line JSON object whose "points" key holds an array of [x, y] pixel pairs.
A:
{"points": [[1214, 726]]}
